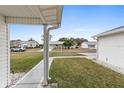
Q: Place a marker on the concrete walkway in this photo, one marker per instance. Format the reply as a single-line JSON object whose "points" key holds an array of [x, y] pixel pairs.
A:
{"points": [[90, 55], [34, 78]]}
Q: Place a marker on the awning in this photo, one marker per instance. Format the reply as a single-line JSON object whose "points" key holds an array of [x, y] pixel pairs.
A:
{"points": [[49, 16], [32, 14]]}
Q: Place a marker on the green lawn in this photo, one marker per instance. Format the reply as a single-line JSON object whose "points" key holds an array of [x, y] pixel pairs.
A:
{"points": [[52, 54], [33, 50], [76, 50], [24, 61], [81, 72]]}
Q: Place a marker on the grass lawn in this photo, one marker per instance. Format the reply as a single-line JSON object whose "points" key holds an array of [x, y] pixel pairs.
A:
{"points": [[33, 50], [24, 61], [52, 54], [81, 72], [75, 50]]}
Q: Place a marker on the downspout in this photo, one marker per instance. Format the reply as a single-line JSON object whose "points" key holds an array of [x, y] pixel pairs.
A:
{"points": [[49, 29], [54, 27], [46, 53]]}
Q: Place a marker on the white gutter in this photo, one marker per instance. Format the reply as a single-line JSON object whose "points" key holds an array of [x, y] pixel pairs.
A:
{"points": [[53, 27], [46, 53]]}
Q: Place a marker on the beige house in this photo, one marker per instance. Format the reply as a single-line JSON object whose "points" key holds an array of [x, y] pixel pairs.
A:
{"points": [[89, 45], [22, 44], [55, 44], [15, 43]]}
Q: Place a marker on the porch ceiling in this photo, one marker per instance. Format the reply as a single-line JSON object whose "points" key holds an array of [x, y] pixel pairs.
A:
{"points": [[32, 14]]}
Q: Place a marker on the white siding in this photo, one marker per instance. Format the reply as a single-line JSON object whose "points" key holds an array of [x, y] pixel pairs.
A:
{"points": [[84, 45], [52, 46], [111, 49], [3, 54]]}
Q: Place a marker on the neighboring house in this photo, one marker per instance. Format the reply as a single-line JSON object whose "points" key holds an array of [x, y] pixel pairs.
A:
{"points": [[74, 46], [30, 44], [110, 47], [27, 44], [55, 44], [89, 45], [15, 43]]}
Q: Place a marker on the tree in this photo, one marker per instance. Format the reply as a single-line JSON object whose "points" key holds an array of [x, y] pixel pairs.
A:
{"points": [[67, 44], [79, 41], [31, 39], [63, 39]]}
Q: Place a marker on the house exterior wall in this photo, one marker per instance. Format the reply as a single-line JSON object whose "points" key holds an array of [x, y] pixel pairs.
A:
{"points": [[90, 46], [16, 43], [32, 44], [111, 49], [4, 53], [19, 43], [52, 46], [84, 45]]}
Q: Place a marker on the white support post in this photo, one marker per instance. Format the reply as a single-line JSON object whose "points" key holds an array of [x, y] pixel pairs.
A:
{"points": [[46, 55], [8, 45], [61, 47]]}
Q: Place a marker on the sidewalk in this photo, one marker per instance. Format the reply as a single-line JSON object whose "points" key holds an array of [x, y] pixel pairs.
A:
{"points": [[90, 55], [34, 77]]}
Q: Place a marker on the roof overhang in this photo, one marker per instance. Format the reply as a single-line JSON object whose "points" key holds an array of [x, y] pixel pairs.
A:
{"points": [[32, 14], [110, 32]]}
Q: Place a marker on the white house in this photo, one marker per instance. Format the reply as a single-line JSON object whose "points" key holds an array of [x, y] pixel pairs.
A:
{"points": [[55, 44], [89, 45], [27, 44], [110, 47]]}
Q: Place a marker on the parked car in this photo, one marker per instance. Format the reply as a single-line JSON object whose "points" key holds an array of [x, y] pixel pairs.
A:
{"points": [[18, 49]]}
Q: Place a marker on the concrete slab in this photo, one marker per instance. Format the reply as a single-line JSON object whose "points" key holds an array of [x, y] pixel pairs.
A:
{"points": [[90, 55], [32, 79]]}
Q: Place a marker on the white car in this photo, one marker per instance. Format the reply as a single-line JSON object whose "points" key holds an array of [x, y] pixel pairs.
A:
{"points": [[18, 49]]}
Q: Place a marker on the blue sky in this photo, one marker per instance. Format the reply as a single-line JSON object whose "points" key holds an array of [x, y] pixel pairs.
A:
{"points": [[77, 21]]}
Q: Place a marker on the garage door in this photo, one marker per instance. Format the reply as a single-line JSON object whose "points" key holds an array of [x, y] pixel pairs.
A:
{"points": [[3, 54]]}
